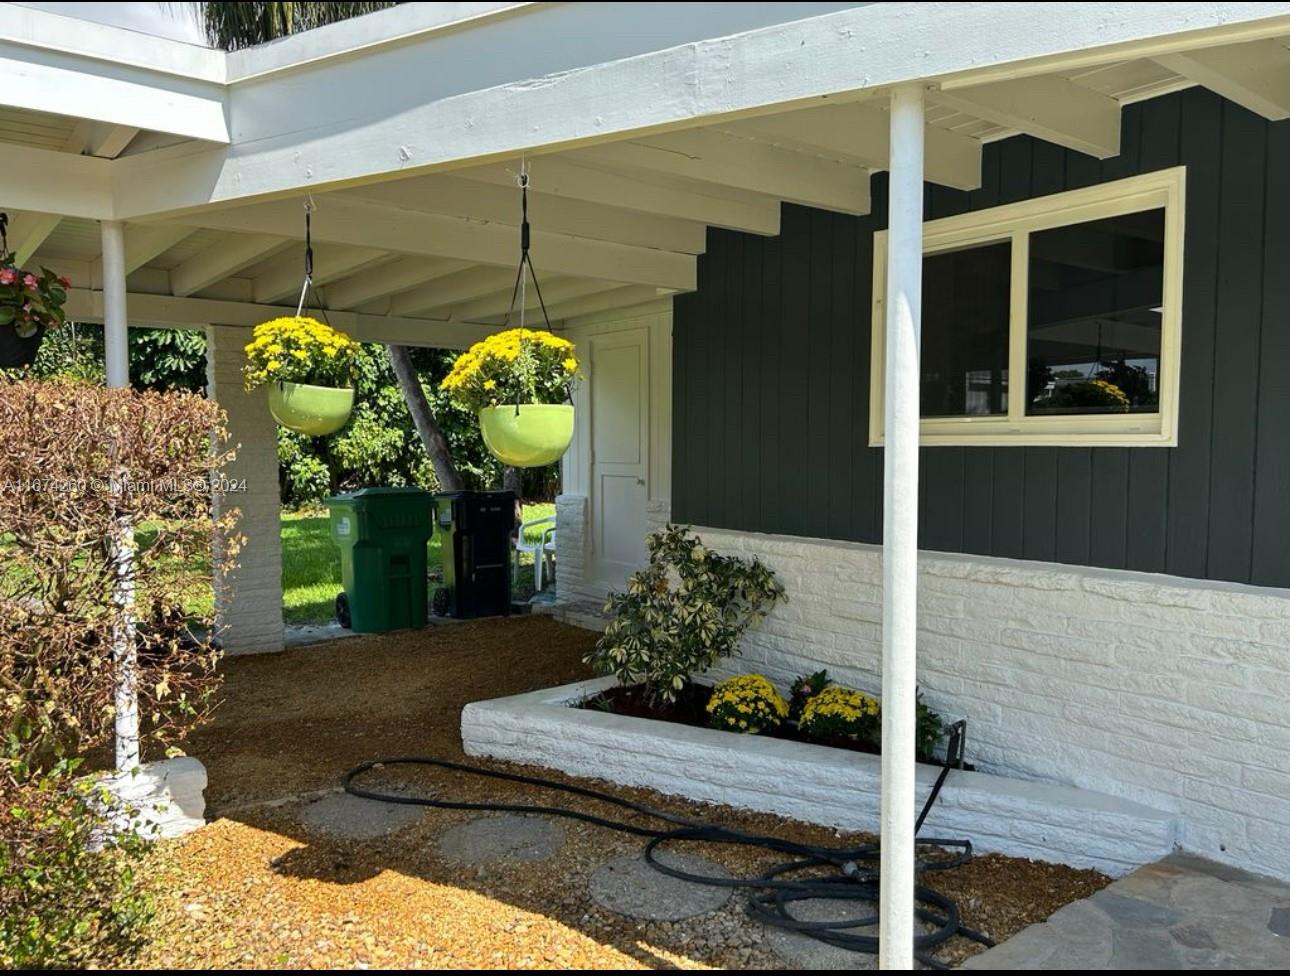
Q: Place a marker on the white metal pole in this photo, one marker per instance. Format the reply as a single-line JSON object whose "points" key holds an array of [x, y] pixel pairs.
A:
{"points": [[117, 360], [900, 528]]}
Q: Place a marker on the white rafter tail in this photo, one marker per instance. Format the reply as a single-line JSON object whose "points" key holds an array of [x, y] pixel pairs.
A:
{"points": [[282, 275], [396, 276], [554, 291], [220, 260], [1255, 76], [144, 242], [605, 301], [563, 178], [456, 197], [1047, 107], [860, 132], [102, 139], [27, 231], [436, 299], [712, 156]]}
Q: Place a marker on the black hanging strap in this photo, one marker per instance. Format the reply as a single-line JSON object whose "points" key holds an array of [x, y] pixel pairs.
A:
{"points": [[4, 233], [525, 260], [307, 288]]}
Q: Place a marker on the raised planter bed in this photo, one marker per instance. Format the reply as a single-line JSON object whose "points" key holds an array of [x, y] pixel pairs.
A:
{"points": [[812, 783]]}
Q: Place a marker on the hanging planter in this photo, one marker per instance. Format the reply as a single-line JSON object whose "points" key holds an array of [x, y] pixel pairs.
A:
{"points": [[309, 370], [527, 435], [30, 305], [307, 409], [519, 382]]}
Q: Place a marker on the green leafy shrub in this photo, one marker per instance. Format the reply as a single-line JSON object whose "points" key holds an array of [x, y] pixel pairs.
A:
{"points": [[681, 614], [746, 703], [67, 898], [806, 687], [929, 729]]}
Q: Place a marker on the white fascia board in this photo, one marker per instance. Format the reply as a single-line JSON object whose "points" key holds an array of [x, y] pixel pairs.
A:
{"points": [[42, 80], [515, 84], [75, 37]]}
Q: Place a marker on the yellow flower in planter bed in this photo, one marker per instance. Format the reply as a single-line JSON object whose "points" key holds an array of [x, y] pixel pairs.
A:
{"points": [[838, 712], [746, 703]]}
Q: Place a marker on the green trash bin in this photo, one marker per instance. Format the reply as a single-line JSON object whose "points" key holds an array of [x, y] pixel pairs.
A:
{"points": [[382, 535]]}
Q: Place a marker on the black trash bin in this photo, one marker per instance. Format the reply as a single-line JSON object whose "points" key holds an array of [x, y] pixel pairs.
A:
{"points": [[475, 534]]}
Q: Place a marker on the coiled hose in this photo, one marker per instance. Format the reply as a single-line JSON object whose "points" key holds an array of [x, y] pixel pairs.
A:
{"points": [[773, 893]]}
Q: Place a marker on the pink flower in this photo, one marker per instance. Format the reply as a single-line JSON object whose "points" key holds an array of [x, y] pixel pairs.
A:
{"points": [[30, 281], [8, 276], [65, 282]]}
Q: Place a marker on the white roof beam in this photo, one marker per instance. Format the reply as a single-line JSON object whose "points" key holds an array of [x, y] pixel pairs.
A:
{"points": [[49, 181], [342, 220], [167, 311], [604, 301], [559, 177], [221, 260], [437, 298], [285, 274], [1047, 107], [553, 293], [712, 156], [458, 197], [398, 275], [27, 231], [385, 116], [100, 139], [862, 133], [1255, 76]]}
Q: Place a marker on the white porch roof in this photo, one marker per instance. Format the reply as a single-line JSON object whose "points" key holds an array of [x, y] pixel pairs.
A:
{"points": [[642, 126]]}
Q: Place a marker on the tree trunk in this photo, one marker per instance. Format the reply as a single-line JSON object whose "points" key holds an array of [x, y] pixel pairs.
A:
{"points": [[432, 438], [513, 480]]}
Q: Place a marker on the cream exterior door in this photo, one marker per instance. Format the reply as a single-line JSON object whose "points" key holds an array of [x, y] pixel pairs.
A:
{"points": [[619, 379]]}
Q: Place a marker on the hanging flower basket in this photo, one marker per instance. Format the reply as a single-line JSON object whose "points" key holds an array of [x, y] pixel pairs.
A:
{"points": [[518, 382], [530, 435], [313, 410], [31, 303], [309, 369]]}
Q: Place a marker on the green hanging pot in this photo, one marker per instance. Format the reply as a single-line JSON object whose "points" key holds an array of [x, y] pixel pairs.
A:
{"points": [[313, 410], [530, 435]]}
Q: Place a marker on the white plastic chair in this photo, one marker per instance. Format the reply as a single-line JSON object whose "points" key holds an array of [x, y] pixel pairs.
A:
{"points": [[543, 549]]}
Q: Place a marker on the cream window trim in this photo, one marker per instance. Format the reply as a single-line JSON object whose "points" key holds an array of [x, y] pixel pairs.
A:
{"points": [[1014, 223]]}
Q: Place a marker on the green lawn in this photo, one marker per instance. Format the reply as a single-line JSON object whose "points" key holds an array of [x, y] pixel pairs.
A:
{"points": [[311, 565]]}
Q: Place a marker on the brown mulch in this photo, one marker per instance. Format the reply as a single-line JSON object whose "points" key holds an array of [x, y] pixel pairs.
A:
{"points": [[255, 889]]}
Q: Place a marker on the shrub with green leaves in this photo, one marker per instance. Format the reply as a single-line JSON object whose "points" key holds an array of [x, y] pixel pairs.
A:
{"points": [[67, 898], [806, 687], [681, 614]]}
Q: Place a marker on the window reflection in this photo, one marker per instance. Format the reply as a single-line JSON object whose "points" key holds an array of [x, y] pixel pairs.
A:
{"points": [[965, 331], [1094, 326]]}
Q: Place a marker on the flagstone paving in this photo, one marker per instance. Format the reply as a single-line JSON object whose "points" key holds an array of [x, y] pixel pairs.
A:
{"points": [[1180, 913]]}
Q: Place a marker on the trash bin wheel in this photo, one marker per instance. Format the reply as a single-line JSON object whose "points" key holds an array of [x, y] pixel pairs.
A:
{"points": [[342, 610]]}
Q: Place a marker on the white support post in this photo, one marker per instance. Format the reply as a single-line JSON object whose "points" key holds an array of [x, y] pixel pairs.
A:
{"points": [[116, 354], [900, 528]]}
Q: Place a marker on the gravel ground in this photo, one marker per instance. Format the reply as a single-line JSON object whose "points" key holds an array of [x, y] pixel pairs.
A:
{"points": [[258, 888]]}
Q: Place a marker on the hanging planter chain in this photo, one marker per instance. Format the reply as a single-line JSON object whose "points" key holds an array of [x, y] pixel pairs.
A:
{"points": [[526, 261], [307, 287]]}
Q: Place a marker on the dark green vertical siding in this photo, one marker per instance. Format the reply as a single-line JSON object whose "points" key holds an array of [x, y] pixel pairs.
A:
{"points": [[772, 376]]}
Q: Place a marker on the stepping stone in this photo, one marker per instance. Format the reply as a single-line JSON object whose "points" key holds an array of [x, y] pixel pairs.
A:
{"points": [[346, 817], [629, 886], [804, 952], [507, 837]]}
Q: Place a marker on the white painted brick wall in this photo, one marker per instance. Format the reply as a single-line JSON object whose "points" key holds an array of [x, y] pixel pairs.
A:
{"points": [[248, 600], [571, 547], [1168, 692], [811, 783]]}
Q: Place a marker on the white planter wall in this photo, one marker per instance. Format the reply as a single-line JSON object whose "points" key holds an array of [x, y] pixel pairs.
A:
{"points": [[1168, 692]]}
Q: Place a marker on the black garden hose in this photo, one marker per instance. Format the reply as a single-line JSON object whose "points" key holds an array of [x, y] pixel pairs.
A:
{"points": [[773, 893]]}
